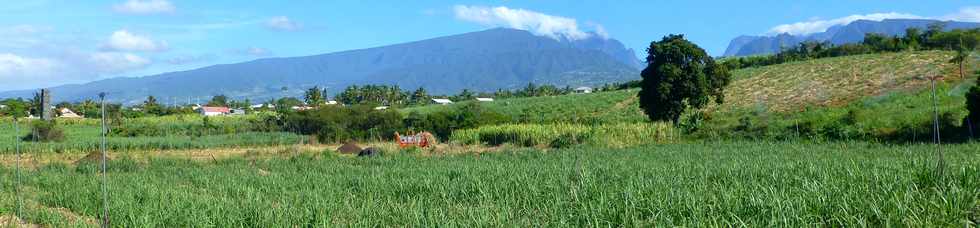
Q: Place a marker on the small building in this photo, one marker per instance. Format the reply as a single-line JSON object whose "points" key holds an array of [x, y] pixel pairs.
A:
{"points": [[236, 111], [583, 89], [484, 99], [441, 101], [332, 103], [68, 113], [302, 108], [381, 108], [214, 111], [257, 106], [3, 106]]}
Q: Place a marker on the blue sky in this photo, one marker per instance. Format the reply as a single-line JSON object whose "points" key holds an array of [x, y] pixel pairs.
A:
{"points": [[46, 43]]}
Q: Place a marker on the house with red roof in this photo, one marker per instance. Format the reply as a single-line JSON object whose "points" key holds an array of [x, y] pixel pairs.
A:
{"points": [[213, 111]]}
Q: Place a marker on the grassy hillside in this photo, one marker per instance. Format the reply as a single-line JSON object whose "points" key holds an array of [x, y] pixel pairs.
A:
{"points": [[603, 107], [828, 82], [836, 81]]}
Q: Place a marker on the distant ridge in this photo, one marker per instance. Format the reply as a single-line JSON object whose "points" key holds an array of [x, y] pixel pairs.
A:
{"points": [[480, 61], [841, 34]]}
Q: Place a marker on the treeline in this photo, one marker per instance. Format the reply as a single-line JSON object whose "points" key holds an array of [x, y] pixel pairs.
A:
{"points": [[395, 96], [933, 38], [332, 124]]}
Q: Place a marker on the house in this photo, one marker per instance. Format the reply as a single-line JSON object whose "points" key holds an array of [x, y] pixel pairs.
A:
{"points": [[3, 106], [213, 111], [332, 103], [583, 89], [381, 108], [236, 111], [441, 101], [484, 99], [302, 108], [67, 113], [258, 106]]}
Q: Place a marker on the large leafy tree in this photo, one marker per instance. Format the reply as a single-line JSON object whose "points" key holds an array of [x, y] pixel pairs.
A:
{"points": [[218, 101], [679, 75]]}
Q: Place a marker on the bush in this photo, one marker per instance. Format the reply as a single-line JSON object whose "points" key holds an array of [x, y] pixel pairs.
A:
{"points": [[339, 124], [973, 106], [45, 131]]}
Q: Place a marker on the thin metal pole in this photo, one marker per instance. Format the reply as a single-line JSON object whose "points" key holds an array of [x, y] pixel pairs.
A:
{"points": [[20, 201], [935, 124], [105, 191]]}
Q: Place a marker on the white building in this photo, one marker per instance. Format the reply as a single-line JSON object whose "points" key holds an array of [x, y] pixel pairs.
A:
{"points": [[67, 113], [381, 108], [332, 103], [583, 89], [441, 101], [484, 99]]}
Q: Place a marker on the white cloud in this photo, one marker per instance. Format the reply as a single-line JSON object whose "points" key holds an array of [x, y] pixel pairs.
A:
{"points": [[815, 26], [969, 14], [123, 40], [114, 62], [535, 22], [12, 66], [283, 23], [144, 7]]}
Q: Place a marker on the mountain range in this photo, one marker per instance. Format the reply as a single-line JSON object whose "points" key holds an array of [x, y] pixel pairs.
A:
{"points": [[839, 34], [479, 61]]}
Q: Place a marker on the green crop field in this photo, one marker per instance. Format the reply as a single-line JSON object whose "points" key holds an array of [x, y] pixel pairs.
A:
{"points": [[699, 184], [156, 133]]}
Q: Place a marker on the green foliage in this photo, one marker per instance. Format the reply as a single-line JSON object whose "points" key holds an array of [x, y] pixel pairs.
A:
{"points": [[443, 123], [314, 96], [45, 131], [933, 39], [336, 124], [218, 101], [680, 75], [565, 135], [973, 107], [16, 108]]}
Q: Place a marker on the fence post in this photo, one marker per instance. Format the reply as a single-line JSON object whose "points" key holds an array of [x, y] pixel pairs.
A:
{"points": [[935, 123], [105, 191], [17, 139]]}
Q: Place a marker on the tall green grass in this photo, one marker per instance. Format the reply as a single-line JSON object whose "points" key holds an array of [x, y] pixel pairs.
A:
{"points": [[703, 184], [562, 135]]}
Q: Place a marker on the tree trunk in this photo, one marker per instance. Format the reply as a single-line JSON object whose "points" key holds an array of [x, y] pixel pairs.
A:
{"points": [[961, 68]]}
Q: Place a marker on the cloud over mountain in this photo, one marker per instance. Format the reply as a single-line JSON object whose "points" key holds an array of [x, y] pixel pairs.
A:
{"points": [[538, 23]]}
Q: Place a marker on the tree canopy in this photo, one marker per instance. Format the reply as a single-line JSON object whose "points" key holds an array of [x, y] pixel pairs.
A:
{"points": [[679, 75]]}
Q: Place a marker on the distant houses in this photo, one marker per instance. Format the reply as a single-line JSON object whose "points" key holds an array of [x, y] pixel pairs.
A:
{"points": [[441, 101], [484, 99], [583, 89]]}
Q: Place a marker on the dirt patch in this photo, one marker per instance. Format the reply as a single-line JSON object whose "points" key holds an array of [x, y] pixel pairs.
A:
{"points": [[94, 156], [14, 221], [349, 148]]}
